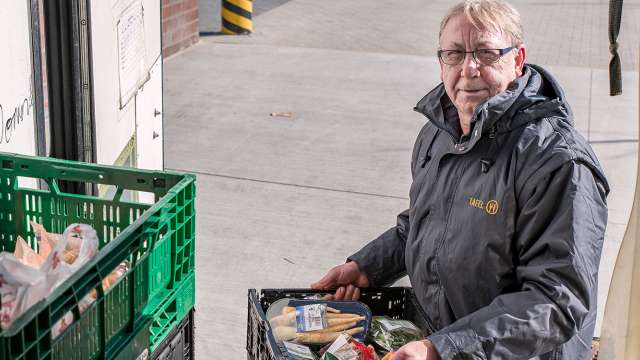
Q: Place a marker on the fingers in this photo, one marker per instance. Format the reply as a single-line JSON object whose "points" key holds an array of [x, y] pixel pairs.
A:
{"points": [[356, 294], [351, 293], [415, 350], [328, 281], [401, 354], [328, 297]]}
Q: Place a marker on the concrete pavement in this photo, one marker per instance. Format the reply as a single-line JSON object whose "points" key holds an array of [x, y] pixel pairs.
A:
{"points": [[280, 200]]}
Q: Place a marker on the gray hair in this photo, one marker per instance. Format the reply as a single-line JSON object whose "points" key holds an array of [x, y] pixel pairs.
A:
{"points": [[495, 16]]}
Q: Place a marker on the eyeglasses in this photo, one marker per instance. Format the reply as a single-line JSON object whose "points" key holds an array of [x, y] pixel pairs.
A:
{"points": [[481, 56]]}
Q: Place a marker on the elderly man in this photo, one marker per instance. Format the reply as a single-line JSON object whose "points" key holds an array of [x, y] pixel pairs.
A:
{"points": [[507, 214]]}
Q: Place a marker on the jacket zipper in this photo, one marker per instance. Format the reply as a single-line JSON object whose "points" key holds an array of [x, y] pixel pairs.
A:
{"points": [[457, 144]]}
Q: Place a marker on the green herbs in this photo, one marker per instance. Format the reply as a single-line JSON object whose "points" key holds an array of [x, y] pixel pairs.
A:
{"points": [[392, 334]]}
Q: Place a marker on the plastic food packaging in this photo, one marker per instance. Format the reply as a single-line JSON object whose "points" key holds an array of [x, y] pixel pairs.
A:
{"points": [[347, 348], [21, 286], [24, 281], [391, 334], [299, 352], [26, 255], [317, 322], [46, 240]]}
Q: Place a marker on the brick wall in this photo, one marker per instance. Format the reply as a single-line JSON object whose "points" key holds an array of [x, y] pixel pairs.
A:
{"points": [[179, 25]]}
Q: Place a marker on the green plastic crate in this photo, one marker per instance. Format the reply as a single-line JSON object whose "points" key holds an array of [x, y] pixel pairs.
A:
{"points": [[158, 240], [169, 311]]}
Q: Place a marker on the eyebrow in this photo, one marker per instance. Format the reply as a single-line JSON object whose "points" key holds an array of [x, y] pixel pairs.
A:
{"points": [[479, 45]]}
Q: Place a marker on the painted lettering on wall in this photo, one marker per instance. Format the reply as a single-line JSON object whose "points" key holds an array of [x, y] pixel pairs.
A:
{"points": [[12, 117]]}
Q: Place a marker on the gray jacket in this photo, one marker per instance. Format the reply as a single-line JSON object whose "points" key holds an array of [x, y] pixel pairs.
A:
{"points": [[505, 227]]}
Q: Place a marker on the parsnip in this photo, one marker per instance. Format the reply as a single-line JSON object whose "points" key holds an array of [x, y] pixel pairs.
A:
{"points": [[284, 320], [340, 321], [324, 338], [341, 316], [337, 328], [284, 333]]}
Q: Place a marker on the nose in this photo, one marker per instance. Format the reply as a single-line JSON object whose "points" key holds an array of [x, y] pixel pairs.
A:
{"points": [[470, 67]]}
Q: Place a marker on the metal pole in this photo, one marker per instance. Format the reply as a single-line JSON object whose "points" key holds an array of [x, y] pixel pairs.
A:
{"points": [[236, 17]]}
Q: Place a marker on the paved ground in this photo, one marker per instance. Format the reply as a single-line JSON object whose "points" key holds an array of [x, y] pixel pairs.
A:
{"points": [[282, 199], [565, 32]]}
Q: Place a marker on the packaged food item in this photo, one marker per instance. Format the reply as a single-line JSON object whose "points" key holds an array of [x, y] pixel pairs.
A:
{"points": [[29, 277], [21, 286], [46, 241], [299, 352], [90, 298], [26, 255], [347, 348], [285, 327], [317, 322], [391, 334]]}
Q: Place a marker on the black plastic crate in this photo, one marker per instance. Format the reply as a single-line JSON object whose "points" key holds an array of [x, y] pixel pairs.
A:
{"points": [[179, 344], [395, 302]]}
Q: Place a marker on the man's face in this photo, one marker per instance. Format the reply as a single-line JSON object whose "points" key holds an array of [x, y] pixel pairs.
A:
{"points": [[469, 83]]}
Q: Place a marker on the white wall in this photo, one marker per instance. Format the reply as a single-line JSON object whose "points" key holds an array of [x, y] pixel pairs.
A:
{"points": [[116, 116], [17, 120]]}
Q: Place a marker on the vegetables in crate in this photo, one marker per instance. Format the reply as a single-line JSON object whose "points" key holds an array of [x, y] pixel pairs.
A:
{"points": [[317, 322], [391, 334]]}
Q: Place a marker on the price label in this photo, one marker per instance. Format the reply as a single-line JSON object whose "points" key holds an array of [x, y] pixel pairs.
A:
{"points": [[311, 317]]}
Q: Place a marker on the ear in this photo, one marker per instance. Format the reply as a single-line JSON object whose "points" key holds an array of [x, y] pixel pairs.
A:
{"points": [[520, 58], [441, 70]]}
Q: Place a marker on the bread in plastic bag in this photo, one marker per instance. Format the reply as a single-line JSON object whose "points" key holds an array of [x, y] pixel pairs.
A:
{"points": [[46, 240], [21, 285], [26, 255]]}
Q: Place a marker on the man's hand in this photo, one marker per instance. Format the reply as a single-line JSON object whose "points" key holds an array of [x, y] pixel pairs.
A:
{"points": [[347, 278], [417, 350]]}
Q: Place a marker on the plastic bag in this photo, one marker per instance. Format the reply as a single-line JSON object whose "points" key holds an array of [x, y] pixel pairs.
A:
{"points": [[346, 347], [26, 255], [46, 241], [77, 245], [391, 334], [22, 285], [90, 298]]}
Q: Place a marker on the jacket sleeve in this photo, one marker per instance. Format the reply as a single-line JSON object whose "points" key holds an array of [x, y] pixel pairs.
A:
{"points": [[383, 258], [559, 234]]}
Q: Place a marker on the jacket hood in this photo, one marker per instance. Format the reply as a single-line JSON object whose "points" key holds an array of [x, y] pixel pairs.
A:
{"points": [[534, 95]]}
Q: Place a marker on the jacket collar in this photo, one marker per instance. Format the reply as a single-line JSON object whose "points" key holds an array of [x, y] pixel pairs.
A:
{"points": [[531, 96]]}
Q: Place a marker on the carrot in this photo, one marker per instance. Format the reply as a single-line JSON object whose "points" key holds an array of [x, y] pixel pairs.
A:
{"points": [[324, 338]]}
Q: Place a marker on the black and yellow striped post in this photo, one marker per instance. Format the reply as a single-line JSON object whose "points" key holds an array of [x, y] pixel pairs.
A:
{"points": [[236, 16]]}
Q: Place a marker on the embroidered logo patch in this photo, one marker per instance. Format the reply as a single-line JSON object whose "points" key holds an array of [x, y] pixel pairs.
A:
{"points": [[491, 207]]}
